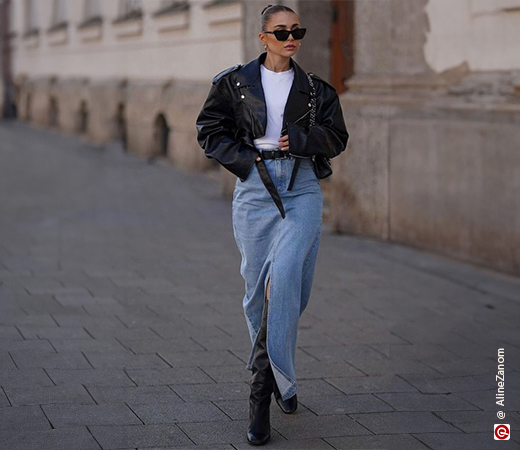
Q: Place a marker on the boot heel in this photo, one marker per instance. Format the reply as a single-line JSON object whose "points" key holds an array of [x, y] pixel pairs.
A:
{"points": [[259, 431]]}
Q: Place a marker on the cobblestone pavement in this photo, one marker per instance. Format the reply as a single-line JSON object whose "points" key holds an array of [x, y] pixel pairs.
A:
{"points": [[121, 323]]}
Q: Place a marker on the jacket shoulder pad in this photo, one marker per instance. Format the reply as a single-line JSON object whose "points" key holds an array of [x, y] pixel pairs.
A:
{"points": [[316, 77], [219, 75]]}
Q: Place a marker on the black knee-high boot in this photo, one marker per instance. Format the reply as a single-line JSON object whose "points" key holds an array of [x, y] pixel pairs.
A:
{"points": [[262, 385]]}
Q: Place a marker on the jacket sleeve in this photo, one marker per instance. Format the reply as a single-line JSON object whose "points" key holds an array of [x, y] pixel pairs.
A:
{"points": [[328, 137], [216, 135]]}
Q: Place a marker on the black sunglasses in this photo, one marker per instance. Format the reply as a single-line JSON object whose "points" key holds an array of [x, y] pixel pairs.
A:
{"points": [[283, 35]]}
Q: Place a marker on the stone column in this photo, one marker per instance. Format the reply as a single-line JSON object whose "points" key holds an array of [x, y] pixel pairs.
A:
{"points": [[389, 63]]}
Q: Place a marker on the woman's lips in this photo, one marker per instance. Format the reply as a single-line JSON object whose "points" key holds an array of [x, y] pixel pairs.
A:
{"points": [[290, 47]]}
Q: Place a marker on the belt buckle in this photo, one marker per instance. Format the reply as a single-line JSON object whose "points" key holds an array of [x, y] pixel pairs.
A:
{"points": [[285, 154]]}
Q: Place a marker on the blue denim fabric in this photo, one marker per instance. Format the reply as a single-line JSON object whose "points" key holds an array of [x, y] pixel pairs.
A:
{"points": [[284, 250]]}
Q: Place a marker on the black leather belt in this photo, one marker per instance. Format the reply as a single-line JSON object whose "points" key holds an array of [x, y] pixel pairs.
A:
{"points": [[275, 154], [266, 178]]}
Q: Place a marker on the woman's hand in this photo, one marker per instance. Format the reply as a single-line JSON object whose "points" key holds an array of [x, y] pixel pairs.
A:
{"points": [[283, 143]]}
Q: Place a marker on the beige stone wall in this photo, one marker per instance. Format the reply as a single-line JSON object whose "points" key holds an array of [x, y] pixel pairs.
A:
{"points": [[432, 160], [190, 45], [119, 78]]}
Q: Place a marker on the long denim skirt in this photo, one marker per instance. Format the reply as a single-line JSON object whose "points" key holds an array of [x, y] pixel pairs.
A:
{"points": [[282, 250]]}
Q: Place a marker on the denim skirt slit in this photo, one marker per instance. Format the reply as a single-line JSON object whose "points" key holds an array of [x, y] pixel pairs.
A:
{"points": [[282, 250]]}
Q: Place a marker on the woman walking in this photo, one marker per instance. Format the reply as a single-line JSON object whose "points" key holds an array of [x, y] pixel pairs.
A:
{"points": [[274, 126]]}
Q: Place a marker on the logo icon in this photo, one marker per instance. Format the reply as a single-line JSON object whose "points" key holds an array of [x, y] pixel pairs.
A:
{"points": [[502, 432]]}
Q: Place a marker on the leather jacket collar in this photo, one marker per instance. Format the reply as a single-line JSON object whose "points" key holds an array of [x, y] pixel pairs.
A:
{"points": [[248, 81]]}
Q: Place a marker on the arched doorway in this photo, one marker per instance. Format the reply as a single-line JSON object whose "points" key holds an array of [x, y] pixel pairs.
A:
{"points": [[82, 126], [121, 131], [28, 106], [161, 134], [53, 112]]}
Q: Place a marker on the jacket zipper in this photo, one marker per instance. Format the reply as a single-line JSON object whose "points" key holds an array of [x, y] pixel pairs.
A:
{"points": [[297, 120]]}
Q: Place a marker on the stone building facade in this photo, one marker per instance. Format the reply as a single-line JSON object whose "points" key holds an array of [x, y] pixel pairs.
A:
{"points": [[434, 115], [430, 90]]}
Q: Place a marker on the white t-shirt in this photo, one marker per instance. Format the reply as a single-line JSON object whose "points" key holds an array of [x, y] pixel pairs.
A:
{"points": [[276, 87]]}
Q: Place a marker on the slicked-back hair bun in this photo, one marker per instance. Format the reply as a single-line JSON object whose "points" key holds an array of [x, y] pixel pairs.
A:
{"points": [[263, 10], [269, 10]]}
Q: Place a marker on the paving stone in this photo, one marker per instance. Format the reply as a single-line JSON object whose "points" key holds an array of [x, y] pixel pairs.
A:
{"points": [[193, 447], [65, 345], [19, 378], [9, 333], [112, 324], [48, 394], [158, 345], [316, 388], [90, 377], [136, 333], [403, 422], [239, 409], [96, 271], [471, 348], [178, 375], [345, 404], [66, 415], [85, 300], [416, 401], [321, 369], [371, 384], [53, 332], [222, 343], [4, 401], [77, 438], [33, 290], [134, 394], [473, 441], [63, 360], [176, 330], [433, 334], [6, 362], [32, 282], [383, 366], [201, 358], [339, 352], [102, 310], [220, 432], [380, 442], [465, 366], [416, 352], [486, 400], [178, 412], [25, 319], [227, 373], [295, 444], [134, 317], [357, 336], [122, 359], [31, 345], [132, 436], [212, 391], [26, 417], [477, 421], [309, 426], [436, 384]]}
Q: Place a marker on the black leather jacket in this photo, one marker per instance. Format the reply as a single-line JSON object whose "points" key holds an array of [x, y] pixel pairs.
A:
{"points": [[234, 114]]}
